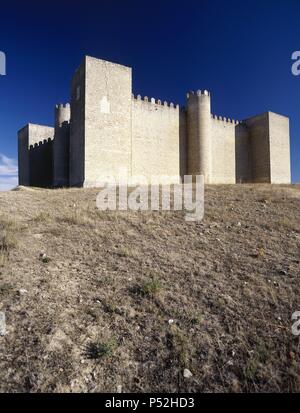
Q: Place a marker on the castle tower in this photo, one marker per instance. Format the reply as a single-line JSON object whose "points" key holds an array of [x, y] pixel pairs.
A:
{"points": [[101, 125], [35, 151], [62, 114], [199, 134], [61, 147]]}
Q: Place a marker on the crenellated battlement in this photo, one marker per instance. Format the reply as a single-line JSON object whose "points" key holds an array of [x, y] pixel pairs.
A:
{"points": [[41, 143], [225, 120], [197, 93], [153, 101], [63, 106], [62, 114]]}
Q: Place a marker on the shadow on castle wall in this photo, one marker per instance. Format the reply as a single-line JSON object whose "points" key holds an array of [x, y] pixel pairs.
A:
{"points": [[41, 164], [243, 170], [61, 156]]}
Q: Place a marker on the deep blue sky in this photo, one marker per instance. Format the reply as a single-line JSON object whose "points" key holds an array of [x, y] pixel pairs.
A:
{"points": [[239, 50]]}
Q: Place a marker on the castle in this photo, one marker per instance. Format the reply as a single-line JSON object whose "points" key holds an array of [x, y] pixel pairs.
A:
{"points": [[106, 128]]}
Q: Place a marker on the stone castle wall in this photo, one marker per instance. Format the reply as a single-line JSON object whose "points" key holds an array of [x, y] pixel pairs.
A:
{"points": [[155, 138], [41, 164], [258, 127], [223, 166], [33, 148], [279, 149], [61, 146], [243, 172], [77, 128]]}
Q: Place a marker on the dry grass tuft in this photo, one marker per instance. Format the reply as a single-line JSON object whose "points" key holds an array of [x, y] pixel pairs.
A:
{"points": [[96, 351], [9, 230], [150, 287]]}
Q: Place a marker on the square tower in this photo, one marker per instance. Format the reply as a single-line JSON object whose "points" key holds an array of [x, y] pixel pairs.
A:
{"points": [[101, 136], [269, 148], [35, 153]]}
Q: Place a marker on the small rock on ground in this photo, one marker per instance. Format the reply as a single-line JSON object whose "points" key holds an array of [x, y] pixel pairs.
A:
{"points": [[187, 374]]}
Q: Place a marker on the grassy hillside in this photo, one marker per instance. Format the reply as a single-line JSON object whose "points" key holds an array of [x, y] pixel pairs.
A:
{"points": [[111, 301]]}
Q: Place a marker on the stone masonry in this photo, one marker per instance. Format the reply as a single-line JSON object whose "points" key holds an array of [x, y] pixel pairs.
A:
{"points": [[106, 128]]}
